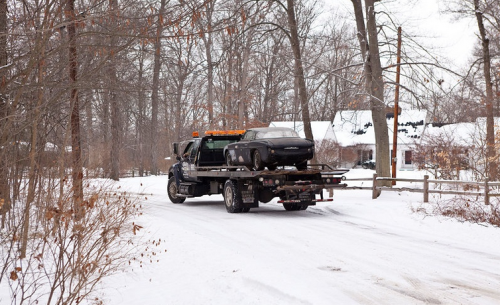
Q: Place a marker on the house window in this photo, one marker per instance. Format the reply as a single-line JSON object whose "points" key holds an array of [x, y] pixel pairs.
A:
{"points": [[408, 157]]}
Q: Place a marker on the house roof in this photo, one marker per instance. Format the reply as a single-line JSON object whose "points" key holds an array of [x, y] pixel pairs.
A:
{"points": [[356, 127], [322, 130], [466, 134]]}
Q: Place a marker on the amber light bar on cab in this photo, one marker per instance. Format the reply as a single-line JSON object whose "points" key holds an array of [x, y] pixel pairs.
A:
{"points": [[196, 134]]}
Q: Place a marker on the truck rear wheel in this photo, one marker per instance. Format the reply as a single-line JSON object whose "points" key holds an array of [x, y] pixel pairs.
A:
{"points": [[232, 197], [172, 191]]}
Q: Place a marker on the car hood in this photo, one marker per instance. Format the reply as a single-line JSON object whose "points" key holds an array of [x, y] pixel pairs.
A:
{"points": [[289, 142]]}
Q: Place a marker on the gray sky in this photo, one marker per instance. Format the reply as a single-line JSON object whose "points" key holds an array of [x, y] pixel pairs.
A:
{"points": [[447, 36]]}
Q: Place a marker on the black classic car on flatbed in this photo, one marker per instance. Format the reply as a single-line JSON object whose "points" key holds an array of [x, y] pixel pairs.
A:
{"points": [[270, 147], [201, 170]]}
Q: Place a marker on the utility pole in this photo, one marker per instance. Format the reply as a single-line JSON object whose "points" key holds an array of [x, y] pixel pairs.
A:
{"points": [[396, 109]]}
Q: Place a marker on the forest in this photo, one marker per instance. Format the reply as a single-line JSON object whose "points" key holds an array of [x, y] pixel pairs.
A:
{"points": [[102, 88]]}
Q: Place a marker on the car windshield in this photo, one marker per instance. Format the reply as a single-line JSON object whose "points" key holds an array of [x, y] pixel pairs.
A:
{"points": [[272, 134]]}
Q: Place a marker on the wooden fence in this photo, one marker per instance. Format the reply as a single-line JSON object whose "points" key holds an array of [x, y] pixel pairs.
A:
{"points": [[481, 188]]}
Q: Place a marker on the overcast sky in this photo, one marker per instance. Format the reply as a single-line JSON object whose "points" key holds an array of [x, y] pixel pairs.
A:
{"points": [[448, 36]]}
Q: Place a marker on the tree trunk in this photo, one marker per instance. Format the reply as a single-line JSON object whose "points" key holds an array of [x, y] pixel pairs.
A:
{"points": [[33, 167], [113, 101], [156, 88], [377, 95], [299, 69], [490, 124], [140, 115], [76, 154], [368, 41], [4, 180], [210, 65], [243, 93]]}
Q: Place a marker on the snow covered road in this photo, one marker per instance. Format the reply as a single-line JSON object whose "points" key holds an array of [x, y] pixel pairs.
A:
{"points": [[354, 250]]}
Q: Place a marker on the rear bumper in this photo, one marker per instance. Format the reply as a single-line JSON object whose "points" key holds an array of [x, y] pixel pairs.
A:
{"points": [[287, 158]]}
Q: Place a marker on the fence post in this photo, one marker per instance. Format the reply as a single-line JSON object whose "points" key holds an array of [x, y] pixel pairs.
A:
{"points": [[426, 188], [374, 188], [486, 192]]}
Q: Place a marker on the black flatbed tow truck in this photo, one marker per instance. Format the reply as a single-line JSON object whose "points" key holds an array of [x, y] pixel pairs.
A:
{"points": [[201, 170]]}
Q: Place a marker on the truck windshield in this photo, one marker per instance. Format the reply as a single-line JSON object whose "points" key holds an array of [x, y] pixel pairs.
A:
{"points": [[216, 143]]}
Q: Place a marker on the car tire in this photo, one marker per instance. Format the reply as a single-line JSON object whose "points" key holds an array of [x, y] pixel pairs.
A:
{"points": [[257, 163], [232, 197], [229, 162], [172, 191]]}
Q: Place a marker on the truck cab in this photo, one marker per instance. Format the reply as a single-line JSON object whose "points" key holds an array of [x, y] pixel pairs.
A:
{"points": [[207, 151]]}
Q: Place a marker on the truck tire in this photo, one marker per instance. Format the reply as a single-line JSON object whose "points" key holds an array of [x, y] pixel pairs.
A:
{"points": [[172, 191], [232, 197], [257, 161]]}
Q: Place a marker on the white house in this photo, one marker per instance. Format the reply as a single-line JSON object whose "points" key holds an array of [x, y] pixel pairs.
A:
{"points": [[354, 129]]}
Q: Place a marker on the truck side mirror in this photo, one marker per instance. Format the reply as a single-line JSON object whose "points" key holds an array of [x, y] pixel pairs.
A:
{"points": [[176, 148]]}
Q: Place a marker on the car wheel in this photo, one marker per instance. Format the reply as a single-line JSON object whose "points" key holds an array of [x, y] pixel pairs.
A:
{"points": [[172, 191], [257, 161], [232, 197], [229, 162]]}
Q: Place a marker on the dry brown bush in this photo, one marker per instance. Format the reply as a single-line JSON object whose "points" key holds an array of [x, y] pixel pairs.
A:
{"points": [[466, 208], [67, 258]]}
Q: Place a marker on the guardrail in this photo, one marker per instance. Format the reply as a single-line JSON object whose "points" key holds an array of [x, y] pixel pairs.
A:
{"points": [[486, 187]]}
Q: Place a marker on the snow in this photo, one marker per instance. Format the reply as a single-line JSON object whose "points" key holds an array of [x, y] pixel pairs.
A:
{"points": [[347, 123], [322, 130], [353, 250]]}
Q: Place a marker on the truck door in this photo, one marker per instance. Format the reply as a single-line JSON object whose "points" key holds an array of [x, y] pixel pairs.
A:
{"points": [[189, 159]]}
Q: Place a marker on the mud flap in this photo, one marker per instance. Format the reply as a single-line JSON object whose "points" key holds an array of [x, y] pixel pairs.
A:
{"points": [[248, 194]]}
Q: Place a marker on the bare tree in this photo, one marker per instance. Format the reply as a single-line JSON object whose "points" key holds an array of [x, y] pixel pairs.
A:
{"points": [[113, 98], [299, 68], [490, 124], [4, 180], [155, 89], [77, 173], [487, 15], [369, 45]]}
